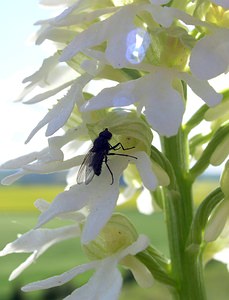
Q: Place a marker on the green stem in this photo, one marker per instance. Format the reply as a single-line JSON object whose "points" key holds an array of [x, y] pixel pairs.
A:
{"points": [[187, 267]]}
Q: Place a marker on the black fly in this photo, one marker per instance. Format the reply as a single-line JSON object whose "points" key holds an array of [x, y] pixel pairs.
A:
{"points": [[92, 163]]}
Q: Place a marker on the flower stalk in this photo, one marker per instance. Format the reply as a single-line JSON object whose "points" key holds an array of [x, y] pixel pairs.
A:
{"points": [[187, 267]]}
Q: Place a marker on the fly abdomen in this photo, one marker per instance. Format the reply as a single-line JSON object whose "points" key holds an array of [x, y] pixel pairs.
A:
{"points": [[97, 163]]}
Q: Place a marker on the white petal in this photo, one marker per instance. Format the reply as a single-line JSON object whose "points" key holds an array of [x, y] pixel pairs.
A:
{"points": [[58, 115], [210, 56], [92, 36], [31, 259], [72, 200], [141, 244], [121, 25], [57, 142], [202, 89], [8, 180], [43, 96], [126, 194], [53, 166], [101, 208], [22, 160], [114, 30], [63, 15], [162, 176], [47, 65], [141, 274], [223, 256], [53, 2], [37, 239], [162, 15], [121, 95], [41, 204], [101, 201], [77, 217], [100, 212], [164, 105], [217, 221], [67, 19], [144, 202], [60, 279], [144, 166], [104, 284]]}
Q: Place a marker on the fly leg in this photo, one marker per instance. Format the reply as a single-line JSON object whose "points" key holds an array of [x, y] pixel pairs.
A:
{"points": [[118, 146], [112, 176]]}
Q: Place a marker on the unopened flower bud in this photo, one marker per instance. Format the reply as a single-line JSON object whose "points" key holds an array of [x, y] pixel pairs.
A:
{"points": [[221, 152], [116, 235], [217, 221], [224, 180]]}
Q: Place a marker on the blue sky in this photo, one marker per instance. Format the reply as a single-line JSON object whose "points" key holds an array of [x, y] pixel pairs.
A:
{"points": [[17, 19], [19, 58]]}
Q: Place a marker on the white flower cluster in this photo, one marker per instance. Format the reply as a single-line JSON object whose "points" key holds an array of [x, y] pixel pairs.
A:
{"points": [[147, 49]]}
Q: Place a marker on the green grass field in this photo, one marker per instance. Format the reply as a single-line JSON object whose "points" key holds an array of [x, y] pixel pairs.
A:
{"points": [[18, 215]]}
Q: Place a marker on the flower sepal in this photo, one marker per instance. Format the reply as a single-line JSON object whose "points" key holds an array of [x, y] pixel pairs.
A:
{"points": [[157, 264]]}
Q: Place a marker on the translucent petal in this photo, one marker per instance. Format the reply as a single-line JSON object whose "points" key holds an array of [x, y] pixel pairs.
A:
{"points": [[101, 208], [22, 160], [144, 202], [141, 244], [121, 95], [99, 286], [77, 217], [101, 201], [92, 36], [53, 166], [67, 19], [144, 167], [41, 75], [48, 94], [164, 106], [217, 221], [223, 256], [60, 279], [59, 114], [35, 240], [162, 15], [210, 56], [8, 180], [31, 259], [121, 26], [107, 30], [141, 274], [72, 200], [202, 89]]}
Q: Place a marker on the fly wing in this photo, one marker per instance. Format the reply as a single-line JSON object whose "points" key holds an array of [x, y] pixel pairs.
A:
{"points": [[86, 171]]}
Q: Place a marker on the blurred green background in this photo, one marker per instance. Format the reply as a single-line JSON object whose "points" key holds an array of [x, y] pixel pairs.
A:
{"points": [[18, 215]]}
